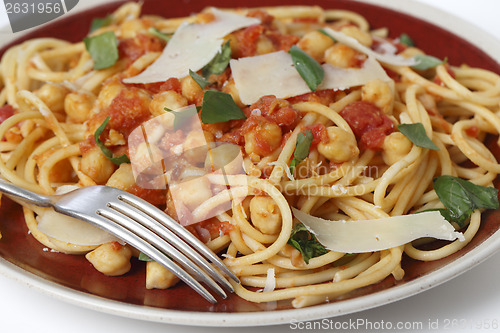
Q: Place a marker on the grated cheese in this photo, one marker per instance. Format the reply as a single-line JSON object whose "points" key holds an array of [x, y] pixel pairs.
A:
{"points": [[270, 281]]}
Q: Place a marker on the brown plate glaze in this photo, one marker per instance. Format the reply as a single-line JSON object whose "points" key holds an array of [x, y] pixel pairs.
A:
{"points": [[74, 279]]}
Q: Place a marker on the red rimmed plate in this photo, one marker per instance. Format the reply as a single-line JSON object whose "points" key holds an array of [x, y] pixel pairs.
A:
{"points": [[74, 279]]}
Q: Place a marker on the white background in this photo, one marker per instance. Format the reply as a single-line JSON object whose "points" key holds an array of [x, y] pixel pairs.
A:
{"points": [[473, 297]]}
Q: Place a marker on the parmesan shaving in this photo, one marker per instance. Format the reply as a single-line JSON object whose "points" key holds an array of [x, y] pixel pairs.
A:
{"points": [[379, 234], [70, 230], [274, 74], [192, 47], [387, 58]]}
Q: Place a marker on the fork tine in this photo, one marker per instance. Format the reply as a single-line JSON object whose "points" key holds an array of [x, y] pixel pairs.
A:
{"points": [[172, 239], [155, 254], [179, 230], [160, 244]]}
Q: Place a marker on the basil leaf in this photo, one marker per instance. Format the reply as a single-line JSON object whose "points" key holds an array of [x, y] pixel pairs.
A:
{"points": [[105, 150], [98, 23], [306, 243], [461, 197], [425, 62], [157, 33], [182, 116], [302, 147], [144, 257], [327, 34], [416, 134], [406, 40], [219, 107], [309, 69], [103, 49], [202, 82], [219, 63]]}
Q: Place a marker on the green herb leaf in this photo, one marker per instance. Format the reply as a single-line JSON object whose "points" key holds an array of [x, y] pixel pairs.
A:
{"points": [[105, 150], [103, 49], [306, 243], [219, 107], [406, 40], [202, 82], [425, 62], [219, 63], [416, 134], [327, 34], [309, 69], [157, 33], [460, 197], [98, 23], [182, 116], [144, 257], [302, 147]]}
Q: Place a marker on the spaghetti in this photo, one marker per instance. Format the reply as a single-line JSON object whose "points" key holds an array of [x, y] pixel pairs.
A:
{"points": [[333, 152]]}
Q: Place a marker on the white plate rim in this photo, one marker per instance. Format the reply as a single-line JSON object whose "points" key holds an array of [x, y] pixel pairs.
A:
{"points": [[468, 31]]}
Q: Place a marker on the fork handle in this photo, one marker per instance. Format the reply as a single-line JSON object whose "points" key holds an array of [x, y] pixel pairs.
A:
{"points": [[24, 195]]}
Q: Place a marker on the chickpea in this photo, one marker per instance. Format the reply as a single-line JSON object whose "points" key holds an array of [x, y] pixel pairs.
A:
{"points": [[226, 156], [196, 146], [190, 89], [78, 106], [192, 192], [315, 44], [122, 178], [230, 88], [97, 166], [341, 146], [166, 99], [378, 93], [158, 277], [264, 45], [145, 159], [108, 93], [395, 147], [264, 139], [340, 55], [265, 215], [361, 36], [111, 259], [53, 96]]}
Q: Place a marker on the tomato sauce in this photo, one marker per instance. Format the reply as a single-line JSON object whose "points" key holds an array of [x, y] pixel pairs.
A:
{"points": [[246, 40], [6, 111], [156, 197], [325, 97], [319, 133], [133, 48], [127, 111], [276, 110], [157, 87], [369, 124]]}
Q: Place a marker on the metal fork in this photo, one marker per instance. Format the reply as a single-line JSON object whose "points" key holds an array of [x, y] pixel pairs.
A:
{"points": [[141, 225]]}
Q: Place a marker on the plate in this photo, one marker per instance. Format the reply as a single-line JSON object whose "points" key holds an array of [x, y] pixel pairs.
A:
{"points": [[73, 279]]}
